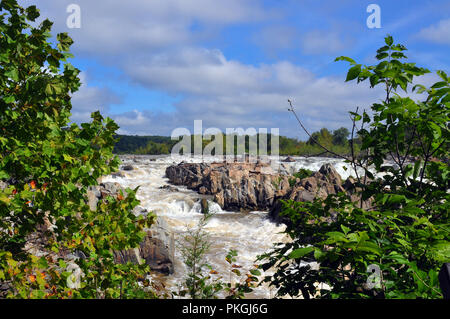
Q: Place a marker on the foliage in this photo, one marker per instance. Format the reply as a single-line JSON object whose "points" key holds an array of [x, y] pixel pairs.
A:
{"points": [[193, 247], [340, 136], [202, 281], [301, 174], [46, 166], [127, 144], [153, 148], [403, 233]]}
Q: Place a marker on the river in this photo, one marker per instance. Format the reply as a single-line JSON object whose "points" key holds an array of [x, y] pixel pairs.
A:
{"points": [[251, 234]]}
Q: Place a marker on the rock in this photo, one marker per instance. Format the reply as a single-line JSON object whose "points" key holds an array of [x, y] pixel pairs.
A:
{"points": [[152, 251], [95, 190], [96, 193], [117, 174], [138, 210], [352, 189], [3, 185], [5, 287], [112, 189], [321, 184], [127, 168], [169, 188], [235, 186], [92, 200], [288, 160]]}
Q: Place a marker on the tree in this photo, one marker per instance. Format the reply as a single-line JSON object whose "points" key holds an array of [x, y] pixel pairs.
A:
{"points": [[46, 166], [340, 136], [202, 281], [391, 241], [322, 137]]}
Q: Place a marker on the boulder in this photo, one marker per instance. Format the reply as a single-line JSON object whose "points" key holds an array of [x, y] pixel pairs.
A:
{"points": [[169, 188], [152, 251], [127, 168], [288, 160]]}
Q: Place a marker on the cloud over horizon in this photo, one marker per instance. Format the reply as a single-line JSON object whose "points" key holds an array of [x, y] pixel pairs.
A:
{"points": [[229, 63]]}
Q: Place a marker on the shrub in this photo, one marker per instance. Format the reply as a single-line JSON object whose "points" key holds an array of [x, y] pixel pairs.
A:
{"points": [[395, 247], [46, 165]]}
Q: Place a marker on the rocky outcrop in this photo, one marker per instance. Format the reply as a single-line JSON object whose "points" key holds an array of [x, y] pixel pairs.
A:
{"points": [[325, 182], [321, 184], [248, 186], [152, 251], [235, 186]]}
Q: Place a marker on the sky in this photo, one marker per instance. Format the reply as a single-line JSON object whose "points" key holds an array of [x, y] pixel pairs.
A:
{"points": [[157, 65]]}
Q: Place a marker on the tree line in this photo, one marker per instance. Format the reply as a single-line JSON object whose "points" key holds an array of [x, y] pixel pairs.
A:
{"points": [[337, 141]]}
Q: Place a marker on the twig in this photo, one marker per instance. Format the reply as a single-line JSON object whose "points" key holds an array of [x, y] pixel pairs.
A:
{"points": [[313, 139]]}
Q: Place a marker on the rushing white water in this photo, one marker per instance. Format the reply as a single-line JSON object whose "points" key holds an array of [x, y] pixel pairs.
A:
{"points": [[251, 234]]}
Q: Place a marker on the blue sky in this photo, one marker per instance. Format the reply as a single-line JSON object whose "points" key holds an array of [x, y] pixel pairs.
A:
{"points": [[155, 65]]}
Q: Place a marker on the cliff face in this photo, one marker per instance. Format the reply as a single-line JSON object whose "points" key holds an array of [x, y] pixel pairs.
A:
{"points": [[251, 186]]}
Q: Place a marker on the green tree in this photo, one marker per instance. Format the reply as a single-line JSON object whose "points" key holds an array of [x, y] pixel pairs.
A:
{"points": [[202, 281], [153, 149], [323, 137], [399, 224], [46, 166], [340, 136]]}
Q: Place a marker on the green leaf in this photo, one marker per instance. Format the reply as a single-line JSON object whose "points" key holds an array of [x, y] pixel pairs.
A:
{"points": [[255, 272], [9, 99], [438, 85], [389, 40], [336, 236], [300, 252], [32, 13], [369, 247], [344, 58], [381, 56], [353, 73], [13, 74], [345, 229], [236, 271]]}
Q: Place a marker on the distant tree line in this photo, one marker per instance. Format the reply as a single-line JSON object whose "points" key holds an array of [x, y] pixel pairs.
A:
{"points": [[336, 141]]}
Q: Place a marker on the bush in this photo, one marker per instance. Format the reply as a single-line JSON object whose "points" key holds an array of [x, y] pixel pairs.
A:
{"points": [[46, 166], [392, 240]]}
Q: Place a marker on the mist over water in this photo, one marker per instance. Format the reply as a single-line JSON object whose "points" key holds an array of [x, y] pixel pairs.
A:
{"points": [[251, 234]]}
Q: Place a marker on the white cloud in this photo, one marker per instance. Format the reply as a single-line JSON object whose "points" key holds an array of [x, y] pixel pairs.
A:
{"points": [[156, 43], [115, 27], [277, 38], [227, 93], [89, 99], [437, 33], [319, 42]]}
